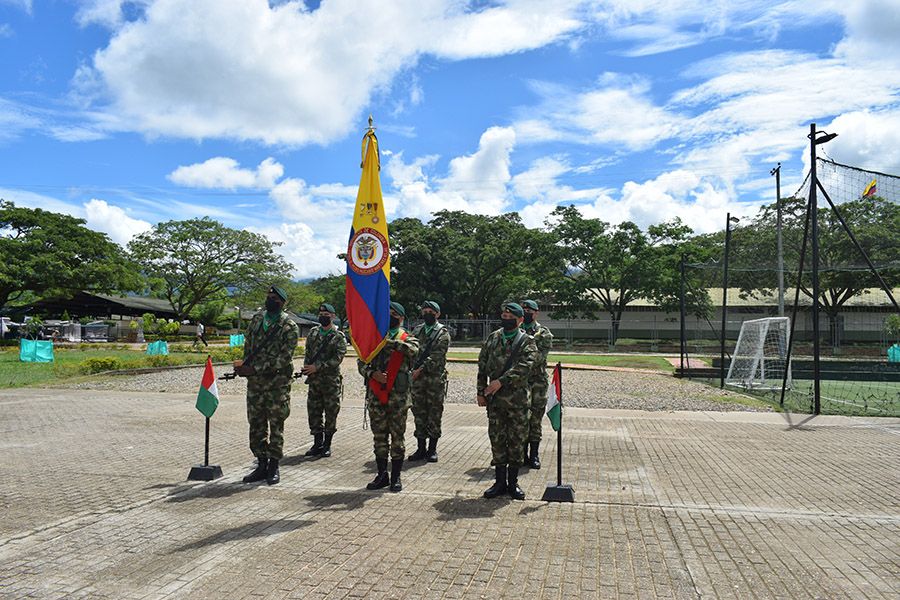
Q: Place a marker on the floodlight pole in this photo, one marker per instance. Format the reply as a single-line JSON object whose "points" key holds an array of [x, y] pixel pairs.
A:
{"points": [[777, 173], [814, 230], [724, 300], [683, 311]]}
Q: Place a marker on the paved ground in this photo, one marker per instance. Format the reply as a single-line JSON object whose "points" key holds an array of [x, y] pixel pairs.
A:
{"points": [[668, 505]]}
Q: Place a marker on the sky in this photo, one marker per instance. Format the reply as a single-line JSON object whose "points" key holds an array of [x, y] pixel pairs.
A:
{"points": [[127, 113]]}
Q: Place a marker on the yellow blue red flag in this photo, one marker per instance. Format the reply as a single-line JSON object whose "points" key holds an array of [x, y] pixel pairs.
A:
{"points": [[368, 259], [870, 189]]}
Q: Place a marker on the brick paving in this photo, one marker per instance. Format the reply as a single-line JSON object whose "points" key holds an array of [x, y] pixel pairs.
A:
{"points": [[668, 505]]}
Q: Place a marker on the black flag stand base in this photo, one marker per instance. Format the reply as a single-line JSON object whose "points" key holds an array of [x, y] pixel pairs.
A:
{"points": [[206, 471], [559, 493]]}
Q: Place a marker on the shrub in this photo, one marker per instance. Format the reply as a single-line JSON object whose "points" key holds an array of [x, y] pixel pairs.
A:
{"points": [[99, 364], [160, 361]]}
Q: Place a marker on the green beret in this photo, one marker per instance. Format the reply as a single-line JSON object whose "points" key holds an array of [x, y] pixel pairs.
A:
{"points": [[278, 292], [398, 308], [432, 305], [530, 304], [327, 308], [514, 308]]}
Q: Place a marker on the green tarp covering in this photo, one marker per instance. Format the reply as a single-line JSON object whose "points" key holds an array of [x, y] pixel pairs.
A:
{"points": [[158, 348], [236, 340], [35, 351], [894, 354]]}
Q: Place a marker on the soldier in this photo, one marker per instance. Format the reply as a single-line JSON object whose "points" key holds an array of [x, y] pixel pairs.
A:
{"points": [[429, 381], [504, 365], [537, 382], [268, 366], [387, 398], [325, 349]]}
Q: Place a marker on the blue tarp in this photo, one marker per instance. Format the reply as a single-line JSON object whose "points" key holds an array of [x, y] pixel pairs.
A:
{"points": [[35, 351], [158, 348], [894, 354], [236, 340]]}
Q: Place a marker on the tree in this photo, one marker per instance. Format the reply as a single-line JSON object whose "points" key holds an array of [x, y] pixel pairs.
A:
{"points": [[468, 263], [332, 289], [609, 267], [843, 273], [198, 258], [50, 254]]}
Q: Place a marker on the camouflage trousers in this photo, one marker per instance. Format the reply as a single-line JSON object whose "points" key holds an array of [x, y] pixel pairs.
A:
{"points": [[323, 403], [428, 407], [388, 422], [508, 427], [538, 409], [267, 410]]}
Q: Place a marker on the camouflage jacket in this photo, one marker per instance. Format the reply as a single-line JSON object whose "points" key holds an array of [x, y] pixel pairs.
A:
{"points": [[543, 339], [271, 352], [493, 357], [434, 367], [328, 347], [409, 347]]}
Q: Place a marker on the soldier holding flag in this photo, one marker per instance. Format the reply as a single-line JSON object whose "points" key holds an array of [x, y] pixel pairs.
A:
{"points": [[387, 379]]}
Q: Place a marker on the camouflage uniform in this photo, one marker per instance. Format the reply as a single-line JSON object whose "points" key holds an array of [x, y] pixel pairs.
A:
{"points": [[324, 395], [508, 408], [429, 389], [537, 381], [388, 421], [270, 352]]}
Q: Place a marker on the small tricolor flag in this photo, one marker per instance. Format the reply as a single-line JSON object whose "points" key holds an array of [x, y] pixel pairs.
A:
{"points": [[208, 397], [554, 398], [870, 190], [368, 292]]}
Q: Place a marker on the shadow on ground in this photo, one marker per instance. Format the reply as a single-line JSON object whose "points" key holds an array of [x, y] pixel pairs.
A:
{"points": [[342, 500], [246, 532], [453, 509], [211, 491]]}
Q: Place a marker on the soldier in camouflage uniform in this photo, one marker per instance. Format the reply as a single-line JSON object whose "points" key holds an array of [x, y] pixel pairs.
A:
{"points": [[537, 382], [268, 366], [429, 381], [388, 421], [325, 349], [504, 366]]}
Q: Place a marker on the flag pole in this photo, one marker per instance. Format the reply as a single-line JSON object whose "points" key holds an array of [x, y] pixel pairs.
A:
{"points": [[559, 492], [205, 472]]}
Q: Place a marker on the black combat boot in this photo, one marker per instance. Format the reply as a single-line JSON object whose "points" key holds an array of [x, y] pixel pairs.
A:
{"points": [[499, 486], [420, 452], [526, 460], [432, 450], [259, 473], [316, 449], [381, 480], [515, 492], [326, 444], [396, 466], [272, 475], [534, 460]]}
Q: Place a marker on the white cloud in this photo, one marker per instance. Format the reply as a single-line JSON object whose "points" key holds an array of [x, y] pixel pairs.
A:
{"points": [[21, 4], [866, 139], [113, 220], [285, 74], [225, 173], [6, 31], [310, 253], [108, 13]]}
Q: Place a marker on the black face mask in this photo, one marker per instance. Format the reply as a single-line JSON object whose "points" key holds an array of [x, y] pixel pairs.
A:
{"points": [[272, 305], [395, 323], [324, 321], [508, 324], [529, 318], [429, 318]]}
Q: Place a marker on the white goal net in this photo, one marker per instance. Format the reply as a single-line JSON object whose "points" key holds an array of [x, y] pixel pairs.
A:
{"points": [[760, 356]]}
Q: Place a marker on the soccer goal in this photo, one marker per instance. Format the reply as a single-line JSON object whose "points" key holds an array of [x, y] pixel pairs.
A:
{"points": [[760, 356]]}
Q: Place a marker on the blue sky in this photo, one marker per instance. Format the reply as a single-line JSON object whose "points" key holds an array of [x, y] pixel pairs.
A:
{"points": [[127, 113]]}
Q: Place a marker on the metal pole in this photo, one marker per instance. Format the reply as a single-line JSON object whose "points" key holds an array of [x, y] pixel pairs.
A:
{"points": [[206, 452], [683, 341], [724, 301], [780, 250], [814, 226], [559, 433]]}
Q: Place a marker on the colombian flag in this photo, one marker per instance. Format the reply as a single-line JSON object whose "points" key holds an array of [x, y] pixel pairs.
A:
{"points": [[870, 189], [369, 259]]}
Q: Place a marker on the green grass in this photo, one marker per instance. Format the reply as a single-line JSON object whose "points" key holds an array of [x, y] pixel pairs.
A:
{"points": [[636, 361], [68, 363]]}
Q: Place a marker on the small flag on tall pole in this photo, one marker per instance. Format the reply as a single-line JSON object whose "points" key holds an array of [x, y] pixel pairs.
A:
{"points": [[554, 410], [207, 403]]}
